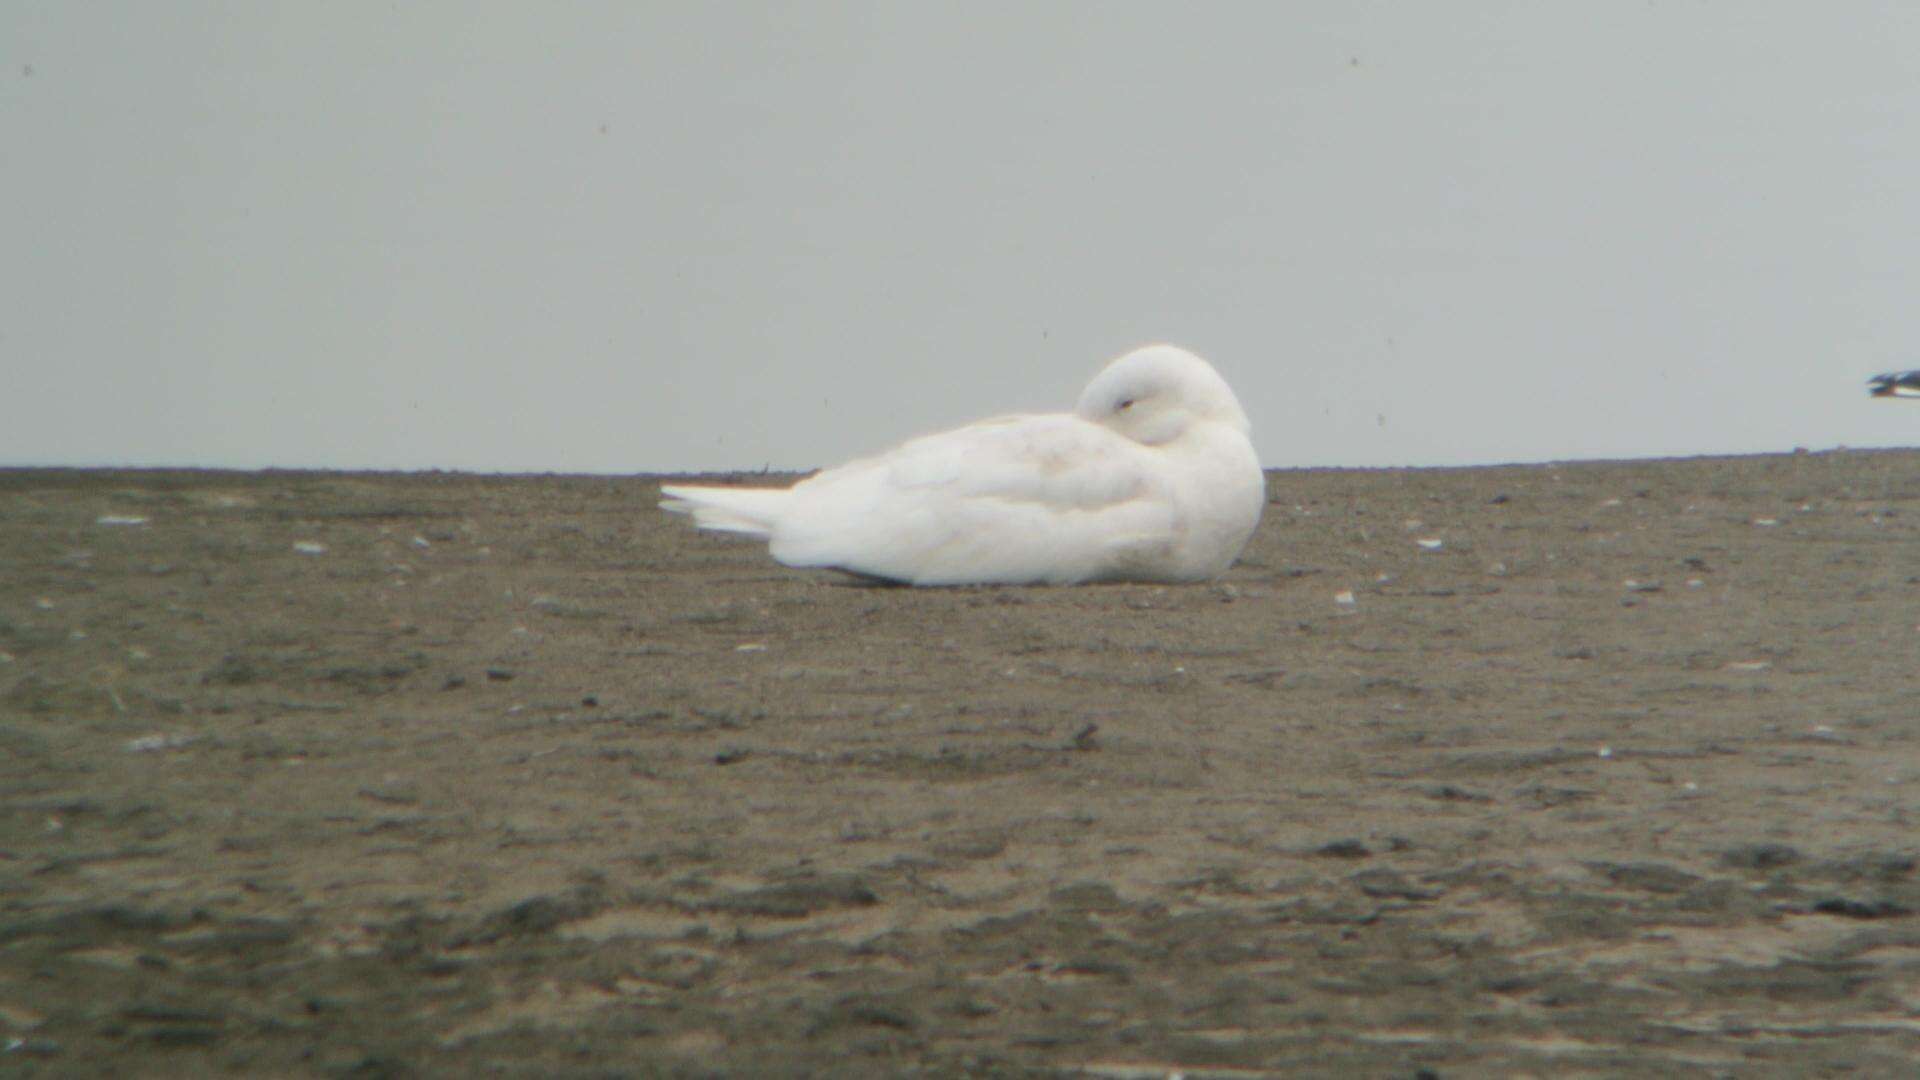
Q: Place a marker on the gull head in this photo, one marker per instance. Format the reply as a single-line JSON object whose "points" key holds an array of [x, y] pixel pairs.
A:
{"points": [[1156, 394]]}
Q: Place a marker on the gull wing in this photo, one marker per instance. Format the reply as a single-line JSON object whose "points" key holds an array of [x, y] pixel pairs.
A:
{"points": [[1018, 499]]}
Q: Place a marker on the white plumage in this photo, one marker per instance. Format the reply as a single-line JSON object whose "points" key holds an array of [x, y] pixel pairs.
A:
{"points": [[1150, 478]]}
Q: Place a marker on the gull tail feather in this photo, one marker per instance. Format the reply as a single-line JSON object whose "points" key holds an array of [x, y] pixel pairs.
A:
{"points": [[748, 511]]}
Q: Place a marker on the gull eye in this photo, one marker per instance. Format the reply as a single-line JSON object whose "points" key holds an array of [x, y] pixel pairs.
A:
{"points": [[1124, 406]]}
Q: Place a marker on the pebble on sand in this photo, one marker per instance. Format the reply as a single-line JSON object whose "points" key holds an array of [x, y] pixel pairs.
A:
{"points": [[147, 744]]}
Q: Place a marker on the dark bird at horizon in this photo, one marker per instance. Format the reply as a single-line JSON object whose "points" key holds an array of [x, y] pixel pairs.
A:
{"points": [[1895, 384]]}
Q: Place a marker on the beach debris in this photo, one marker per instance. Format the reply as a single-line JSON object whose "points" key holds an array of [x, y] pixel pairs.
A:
{"points": [[309, 547], [1766, 523], [1348, 848], [1430, 543], [421, 542], [147, 744], [119, 520], [1632, 585], [1345, 602], [751, 646], [1750, 665], [1606, 752]]}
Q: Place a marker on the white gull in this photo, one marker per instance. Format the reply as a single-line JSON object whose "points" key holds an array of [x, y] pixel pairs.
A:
{"points": [[1150, 478]]}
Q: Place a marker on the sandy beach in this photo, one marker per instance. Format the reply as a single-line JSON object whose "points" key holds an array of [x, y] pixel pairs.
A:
{"points": [[1574, 769]]}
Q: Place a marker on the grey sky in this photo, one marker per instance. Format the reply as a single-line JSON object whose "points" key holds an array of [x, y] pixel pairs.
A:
{"points": [[633, 237]]}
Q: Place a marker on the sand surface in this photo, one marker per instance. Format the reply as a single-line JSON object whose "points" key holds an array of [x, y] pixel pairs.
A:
{"points": [[364, 775]]}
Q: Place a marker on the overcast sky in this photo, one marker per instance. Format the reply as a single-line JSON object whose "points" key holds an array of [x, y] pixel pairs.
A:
{"points": [[652, 237]]}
